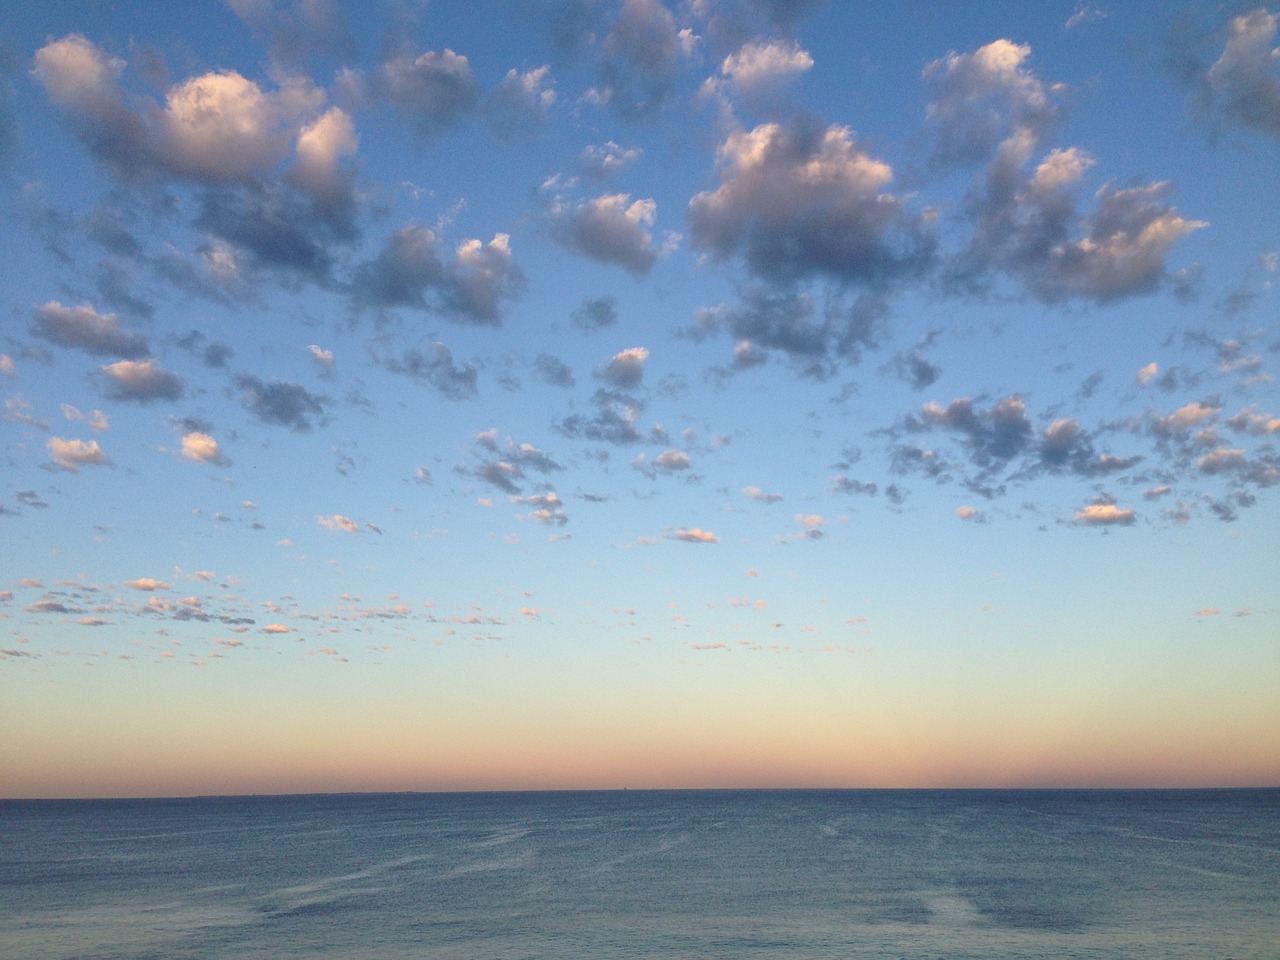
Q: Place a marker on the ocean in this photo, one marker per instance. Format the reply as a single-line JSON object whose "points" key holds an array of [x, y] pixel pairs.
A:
{"points": [[941, 875]]}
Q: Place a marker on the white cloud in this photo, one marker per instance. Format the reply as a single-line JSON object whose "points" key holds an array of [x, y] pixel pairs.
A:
{"points": [[201, 448], [339, 522], [71, 455], [1104, 515], [694, 535], [142, 380]]}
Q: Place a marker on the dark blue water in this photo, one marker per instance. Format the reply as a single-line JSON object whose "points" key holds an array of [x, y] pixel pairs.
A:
{"points": [[829, 874]]}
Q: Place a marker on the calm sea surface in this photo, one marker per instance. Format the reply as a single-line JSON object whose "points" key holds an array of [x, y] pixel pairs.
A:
{"points": [[830, 874]]}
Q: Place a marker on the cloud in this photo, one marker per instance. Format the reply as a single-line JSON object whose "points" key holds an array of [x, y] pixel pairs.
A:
{"points": [[277, 628], [638, 60], [201, 448], [434, 367], [548, 509], [968, 513], [338, 522], [142, 381], [694, 535], [305, 29], [1104, 514], [672, 461], [214, 128], [1243, 85], [1148, 373], [71, 455], [433, 91], [281, 404], [595, 313], [553, 371], [759, 496], [147, 584], [83, 328], [625, 369], [997, 434], [759, 69], [409, 272], [601, 161], [6, 365], [803, 201], [611, 229], [980, 97], [321, 356], [614, 420], [520, 103]]}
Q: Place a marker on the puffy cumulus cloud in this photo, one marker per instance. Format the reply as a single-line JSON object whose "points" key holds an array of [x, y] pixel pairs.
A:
{"points": [[611, 229], [968, 513], [142, 381], [71, 455], [1185, 418], [979, 97], [765, 63], [1222, 460], [1104, 513], [83, 80], [97, 420], [277, 628], [83, 328], [1243, 85], [595, 313], [672, 461], [731, 23], [201, 448], [601, 161], [844, 484], [214, 128], [147, 584], [1148, 373], [1065, 445], [639, 58], [1026, 226], [281, 404], [625, 370], [409, 272], [263, 226], [222, 126], [802, 201], [996, 434], [548, 509], [1252, 422], [434, 91], [433, 366], [520, 103], [320, 148], [340, 523], [760, 496], [694, 535]]}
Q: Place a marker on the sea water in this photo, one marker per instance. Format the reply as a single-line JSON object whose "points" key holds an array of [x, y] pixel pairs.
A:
{"points": [[653, 874]]}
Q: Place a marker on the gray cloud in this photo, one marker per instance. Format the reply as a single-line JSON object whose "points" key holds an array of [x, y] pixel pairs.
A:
{"points": [[611, 228], [434, 91], [596, 313], [1243, 86], [614, 420], [280, 403], [142, 381], [638, 60], [553, 371], [409, 272], [83, 328], [519, 104], [434, 367]]}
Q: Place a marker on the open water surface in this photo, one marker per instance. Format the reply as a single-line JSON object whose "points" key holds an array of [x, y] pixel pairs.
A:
{"points": [[646, 874]]}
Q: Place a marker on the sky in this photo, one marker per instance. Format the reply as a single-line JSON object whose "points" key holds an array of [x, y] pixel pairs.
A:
{"points": [[701, 393]]}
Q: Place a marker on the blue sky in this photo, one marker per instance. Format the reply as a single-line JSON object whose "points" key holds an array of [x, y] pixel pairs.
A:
{"points": [[717, 392]]}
